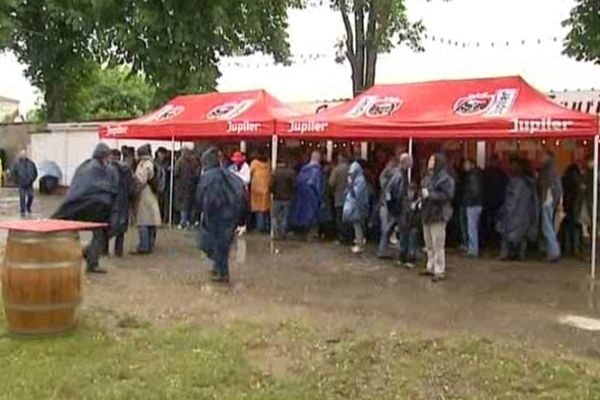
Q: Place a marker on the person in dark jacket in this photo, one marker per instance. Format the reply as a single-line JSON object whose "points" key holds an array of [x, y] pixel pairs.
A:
{"points": [[356, 205], [571, 229], [187, 172], [518, 219], [283, 187], [587, 210], [494, 189], [337, 184], [392, 202], [472, 199], [306, 205], [92, 198], [410, 225], [126, 192], [437, 193], [25, 173], [550, 193], [221, 199]]}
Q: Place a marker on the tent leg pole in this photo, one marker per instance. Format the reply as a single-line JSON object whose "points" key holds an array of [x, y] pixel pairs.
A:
{"points": [[410, 153], [172, 183], [274, 151], [595, 210]]}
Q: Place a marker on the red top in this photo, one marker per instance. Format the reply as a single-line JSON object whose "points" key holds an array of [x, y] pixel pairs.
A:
{"points": [[49, 225], [234, 115], [492, 108]]}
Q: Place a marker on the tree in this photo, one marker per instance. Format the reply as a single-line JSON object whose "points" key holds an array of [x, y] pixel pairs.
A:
{"points": [[175, 44], [373, 27], [53, 39], [6, 26], [583, 40], [178, 44], [106, 93]]}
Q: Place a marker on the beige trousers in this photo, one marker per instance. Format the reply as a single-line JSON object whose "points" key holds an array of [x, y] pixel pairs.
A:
{"points": [[435, 244]]}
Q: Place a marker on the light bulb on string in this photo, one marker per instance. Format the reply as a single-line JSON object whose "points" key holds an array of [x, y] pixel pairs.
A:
{"points": [[544, 142], [557, 143]]}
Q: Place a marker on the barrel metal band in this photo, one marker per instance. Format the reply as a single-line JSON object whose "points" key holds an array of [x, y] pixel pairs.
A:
{"points": [[42, 307], [8, 264]]}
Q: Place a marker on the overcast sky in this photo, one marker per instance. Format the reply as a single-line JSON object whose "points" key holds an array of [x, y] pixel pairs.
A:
{"points": [[315, 31]]}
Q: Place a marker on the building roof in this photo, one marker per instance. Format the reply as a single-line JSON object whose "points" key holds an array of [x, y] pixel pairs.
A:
{"points": [[8, 99]]}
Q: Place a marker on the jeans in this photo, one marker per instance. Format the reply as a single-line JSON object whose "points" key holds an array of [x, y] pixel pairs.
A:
{"points": [[552, 247], [147, 238], [435, 244], [572, 236], [262, 221], [359, 234], [513, 250], [388, 223], [26, 199], [119, 244], [344, 233], [185, 218], [408, 244], [464, 227], [279, 218], [94, 249], [473, 216]]}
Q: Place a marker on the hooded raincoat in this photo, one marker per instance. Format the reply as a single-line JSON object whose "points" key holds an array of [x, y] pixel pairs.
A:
{"points": [[93, 192], [356, 198], [304, 212], [221, 199]]}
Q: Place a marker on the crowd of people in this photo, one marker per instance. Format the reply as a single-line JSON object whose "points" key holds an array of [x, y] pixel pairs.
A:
{"points": [[451, 204]]}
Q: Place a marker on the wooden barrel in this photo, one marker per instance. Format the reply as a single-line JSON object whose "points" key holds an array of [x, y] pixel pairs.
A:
{"points": [[42, 282]]}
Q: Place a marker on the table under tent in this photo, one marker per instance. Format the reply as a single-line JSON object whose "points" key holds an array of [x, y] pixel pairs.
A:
{"points": [[492, 109]]}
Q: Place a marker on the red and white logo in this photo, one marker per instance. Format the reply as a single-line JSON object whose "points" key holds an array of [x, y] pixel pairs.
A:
{"points": [[168, 112], [230, 110], [375, 107], [486, 103]]}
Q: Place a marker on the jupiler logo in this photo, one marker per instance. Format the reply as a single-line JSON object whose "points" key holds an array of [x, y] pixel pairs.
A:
{"points": [[230, 110], [485, 103], [169, 111], [375, 106]]}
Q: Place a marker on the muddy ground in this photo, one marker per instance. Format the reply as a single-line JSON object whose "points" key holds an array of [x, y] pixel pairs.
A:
{"points": [[324, 284]]}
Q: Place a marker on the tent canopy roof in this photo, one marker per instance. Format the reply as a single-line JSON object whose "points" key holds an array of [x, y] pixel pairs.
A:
{"points": [[490, 108], [233, 115]]}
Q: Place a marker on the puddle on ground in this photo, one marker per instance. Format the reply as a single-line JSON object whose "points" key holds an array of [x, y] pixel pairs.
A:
{"points": [[585, 323]]}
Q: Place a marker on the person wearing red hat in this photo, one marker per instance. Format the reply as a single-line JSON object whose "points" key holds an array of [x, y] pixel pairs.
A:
{"points": [[240, 168]]}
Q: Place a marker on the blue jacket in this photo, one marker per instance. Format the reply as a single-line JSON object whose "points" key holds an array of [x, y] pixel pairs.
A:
{"points": [[304, 211], [24, 172], [356, 198]]}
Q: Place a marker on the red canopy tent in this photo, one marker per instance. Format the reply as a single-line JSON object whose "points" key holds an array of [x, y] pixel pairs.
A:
{"points": [[492, 108], [234, 115]]}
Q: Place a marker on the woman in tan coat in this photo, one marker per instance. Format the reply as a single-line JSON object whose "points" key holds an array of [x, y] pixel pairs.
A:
{"points": [[147, 212], [260, 195]]}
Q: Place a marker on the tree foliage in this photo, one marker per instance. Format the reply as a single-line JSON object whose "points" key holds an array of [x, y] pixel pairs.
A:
{"points": [[106, 93], [373, 27], [583, 40], [53, 39], [176, 44]]}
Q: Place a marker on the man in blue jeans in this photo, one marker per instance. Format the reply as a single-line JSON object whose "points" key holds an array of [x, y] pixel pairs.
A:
{"points": [[550, 192], [472, 204], [283, 186], [25, 173]]}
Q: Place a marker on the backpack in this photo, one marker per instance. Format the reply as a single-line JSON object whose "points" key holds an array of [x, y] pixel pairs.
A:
{"points": [[157, 182], [395, 193]]}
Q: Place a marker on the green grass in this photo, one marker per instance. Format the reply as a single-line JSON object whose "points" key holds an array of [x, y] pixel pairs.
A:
{"points": [[291, 360]]}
